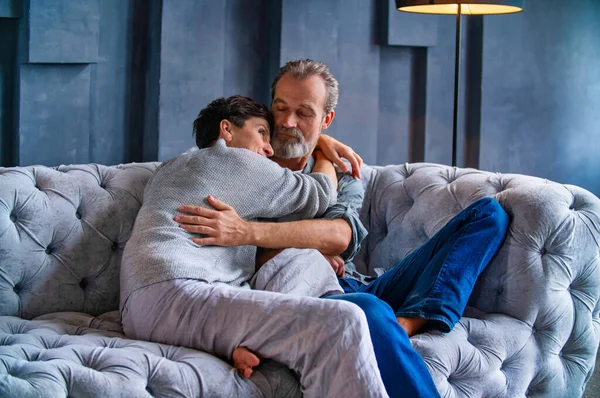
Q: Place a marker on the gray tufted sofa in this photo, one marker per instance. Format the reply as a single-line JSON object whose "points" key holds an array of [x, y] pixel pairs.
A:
{"points": [[531, 328]]}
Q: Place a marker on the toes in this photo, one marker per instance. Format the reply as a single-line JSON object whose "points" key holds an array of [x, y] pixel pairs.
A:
{"points": [[244, 360], [246, 373]]}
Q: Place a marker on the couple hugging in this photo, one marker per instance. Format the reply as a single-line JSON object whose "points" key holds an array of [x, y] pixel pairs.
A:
{"points": [[198, 280]]}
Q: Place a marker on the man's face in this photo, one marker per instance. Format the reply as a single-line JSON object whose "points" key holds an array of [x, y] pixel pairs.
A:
{"points": [[299, 116]]}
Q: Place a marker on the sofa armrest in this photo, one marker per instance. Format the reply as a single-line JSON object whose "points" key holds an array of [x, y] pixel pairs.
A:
{"points": [[546, 275]]}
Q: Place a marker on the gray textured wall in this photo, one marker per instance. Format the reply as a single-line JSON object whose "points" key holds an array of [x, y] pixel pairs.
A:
{"points": [[113, 81], [540, 111]]}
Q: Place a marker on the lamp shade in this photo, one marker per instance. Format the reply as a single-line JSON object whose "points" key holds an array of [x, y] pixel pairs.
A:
{"points": [[468, 7]]}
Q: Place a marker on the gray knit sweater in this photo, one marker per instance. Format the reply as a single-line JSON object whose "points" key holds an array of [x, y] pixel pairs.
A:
{"points": [[253, 185]]}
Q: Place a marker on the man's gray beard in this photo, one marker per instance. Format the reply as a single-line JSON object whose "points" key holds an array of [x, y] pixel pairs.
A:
{"points": [[289, 149], [286, 149]]}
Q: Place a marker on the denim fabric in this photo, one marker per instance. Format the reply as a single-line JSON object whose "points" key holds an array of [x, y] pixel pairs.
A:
{"points": [[435, 281], [402, 369]]}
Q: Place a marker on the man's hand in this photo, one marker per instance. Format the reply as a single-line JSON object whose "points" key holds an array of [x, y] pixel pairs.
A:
{"points": [[337, 263], [335, 151], [222, 227]]}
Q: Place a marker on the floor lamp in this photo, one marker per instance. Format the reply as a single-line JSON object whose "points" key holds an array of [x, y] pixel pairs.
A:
{"points": [[467, 7]]}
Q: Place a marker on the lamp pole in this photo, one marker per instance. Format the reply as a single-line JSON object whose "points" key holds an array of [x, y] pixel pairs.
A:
{"points": [[478, 7], [456, 82]]}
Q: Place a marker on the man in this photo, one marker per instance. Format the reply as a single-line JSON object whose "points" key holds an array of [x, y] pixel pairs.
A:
{"points": [[429, 288]]}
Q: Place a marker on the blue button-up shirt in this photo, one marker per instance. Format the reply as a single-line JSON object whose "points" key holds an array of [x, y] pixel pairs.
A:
{"points": [[349, 200]]}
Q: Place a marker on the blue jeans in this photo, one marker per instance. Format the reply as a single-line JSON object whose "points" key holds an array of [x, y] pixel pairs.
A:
{"points": [[402, 369], [434, 282]]}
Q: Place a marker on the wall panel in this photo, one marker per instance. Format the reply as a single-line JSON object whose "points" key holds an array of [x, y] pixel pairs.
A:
{"points": [[54, 114], [10, 8], [8, 80], [111, 79], [114, 81], [63, 31], [541, 93], [394, 98], [191, 73], [246, 47]]}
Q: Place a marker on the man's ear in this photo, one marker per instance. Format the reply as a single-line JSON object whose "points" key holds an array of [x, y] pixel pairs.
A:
{"points": [[225, 130], [327, 120]]}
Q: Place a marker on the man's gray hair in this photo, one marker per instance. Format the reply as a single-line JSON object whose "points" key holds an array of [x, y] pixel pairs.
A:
{"points": [[302, 69]]}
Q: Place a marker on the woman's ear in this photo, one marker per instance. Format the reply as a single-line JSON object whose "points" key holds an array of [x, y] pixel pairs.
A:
{"points": [[225, 130]]}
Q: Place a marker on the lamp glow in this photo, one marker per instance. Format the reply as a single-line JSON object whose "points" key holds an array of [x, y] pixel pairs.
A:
{"points": [[466, 9]]}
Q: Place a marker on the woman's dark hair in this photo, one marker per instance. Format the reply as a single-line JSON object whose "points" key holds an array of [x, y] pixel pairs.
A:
{"points": [[237, 109]]}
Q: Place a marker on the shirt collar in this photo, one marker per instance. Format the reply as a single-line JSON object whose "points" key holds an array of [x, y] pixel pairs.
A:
{"points": [[309, 165]]}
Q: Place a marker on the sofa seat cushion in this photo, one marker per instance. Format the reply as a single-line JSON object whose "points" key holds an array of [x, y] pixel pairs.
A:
{"points": [[77, 355], [109, 321]]}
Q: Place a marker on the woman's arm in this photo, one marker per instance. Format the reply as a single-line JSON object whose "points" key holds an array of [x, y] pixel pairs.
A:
{"points": [[277, 192], [335, 151], [325, 166]]}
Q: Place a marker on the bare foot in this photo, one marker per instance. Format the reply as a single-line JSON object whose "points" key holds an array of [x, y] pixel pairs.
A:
{"points": [[411, 325], [244, 361]]}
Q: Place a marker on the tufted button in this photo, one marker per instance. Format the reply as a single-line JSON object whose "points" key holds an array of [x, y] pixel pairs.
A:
{"points": [[543, 251], [83, 284], [115, 246], [500, 290], [13, 217], [17, 288], [149, 390], [48, 250], [533, 330], [78, 215]]}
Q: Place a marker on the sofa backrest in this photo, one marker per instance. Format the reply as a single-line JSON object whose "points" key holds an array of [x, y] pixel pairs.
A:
{"points": [[547, 273], [62, 233]]}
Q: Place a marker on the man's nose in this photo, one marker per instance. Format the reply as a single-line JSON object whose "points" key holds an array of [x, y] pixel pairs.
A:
{"points": [[289, 120]]}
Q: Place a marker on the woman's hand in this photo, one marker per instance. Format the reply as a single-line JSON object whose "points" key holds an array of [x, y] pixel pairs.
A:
{"points": [[335, 151], [221, 227]]}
